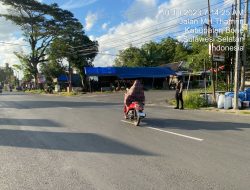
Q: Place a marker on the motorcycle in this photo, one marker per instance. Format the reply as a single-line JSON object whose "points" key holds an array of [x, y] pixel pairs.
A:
{"points": [[134, 112]]}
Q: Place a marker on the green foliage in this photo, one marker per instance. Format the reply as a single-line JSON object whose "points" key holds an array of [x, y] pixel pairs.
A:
{"points": [[222, 86], [52, 69], [131, 57], [153, 54], [199, 55], [68, 93], [193, 100], [168, 49], [24, 66], [181, 52], [39, 25], [7, 75], [74, 46], [43, 24], [35, 91]]}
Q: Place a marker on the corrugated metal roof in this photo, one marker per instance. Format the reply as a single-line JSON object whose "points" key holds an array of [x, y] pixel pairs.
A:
{"points": [[130, 72]]}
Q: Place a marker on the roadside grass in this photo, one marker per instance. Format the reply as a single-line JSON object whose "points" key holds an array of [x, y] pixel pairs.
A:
{"points": [[245, 112], [104, 92], [171, 101], [35, 91], [192, 100], [68, 93], [64, 93]]}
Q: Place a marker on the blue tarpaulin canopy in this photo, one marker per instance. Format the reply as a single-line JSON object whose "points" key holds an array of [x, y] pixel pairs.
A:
{"points": [[63, 78], [130, 72]]}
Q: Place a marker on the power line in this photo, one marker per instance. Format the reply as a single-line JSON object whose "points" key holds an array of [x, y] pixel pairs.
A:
{"points": [[161, 30], [103, 53], [163, 22], [158, 24], [116, 40]]}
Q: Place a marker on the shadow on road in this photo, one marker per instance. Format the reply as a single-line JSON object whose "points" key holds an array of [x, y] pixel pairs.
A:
{"points": [[81, 142], [193, 125], [53, 104], [29, 122]]}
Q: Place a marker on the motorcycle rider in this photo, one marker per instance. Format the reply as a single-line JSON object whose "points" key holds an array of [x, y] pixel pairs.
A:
{"points": [[134, 94]]}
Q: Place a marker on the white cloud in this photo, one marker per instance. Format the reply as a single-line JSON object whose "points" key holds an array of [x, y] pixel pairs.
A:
{"points": [[149, 2], [12, 44], [92, 38], [151, 25], [141, 9], [9, 42], [103, 60], [90, 20], [105, 26], [75, 4]]}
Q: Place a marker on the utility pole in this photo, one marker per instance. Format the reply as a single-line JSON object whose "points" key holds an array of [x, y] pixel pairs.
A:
{"points": [[70, 79], [231, 54], [237, 57], [205, 80], [210, 35], [244, 56]]}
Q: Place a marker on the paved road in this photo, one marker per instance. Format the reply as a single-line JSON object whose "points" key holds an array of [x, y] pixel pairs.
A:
{"points": [[49, 142]]}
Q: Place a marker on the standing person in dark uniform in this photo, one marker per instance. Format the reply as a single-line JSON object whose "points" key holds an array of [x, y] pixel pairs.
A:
{"points": [[178, 94]]}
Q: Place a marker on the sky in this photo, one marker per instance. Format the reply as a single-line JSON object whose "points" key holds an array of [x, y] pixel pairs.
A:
{"points": [[116, 24]]}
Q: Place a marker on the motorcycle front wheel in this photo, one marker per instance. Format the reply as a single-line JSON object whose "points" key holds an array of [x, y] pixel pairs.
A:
{"points": [[137, 119]]}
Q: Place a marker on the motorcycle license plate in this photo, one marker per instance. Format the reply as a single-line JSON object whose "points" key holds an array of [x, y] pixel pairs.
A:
{"points": [[141, 114]]}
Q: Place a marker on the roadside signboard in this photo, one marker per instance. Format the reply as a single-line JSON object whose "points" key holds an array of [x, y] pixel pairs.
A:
{"points": [[219, 58], [218, 54]]}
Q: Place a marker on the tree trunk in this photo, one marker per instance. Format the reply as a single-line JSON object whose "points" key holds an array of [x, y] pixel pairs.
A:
{"points": [[83, 80], [242, 81], [35, 75]]}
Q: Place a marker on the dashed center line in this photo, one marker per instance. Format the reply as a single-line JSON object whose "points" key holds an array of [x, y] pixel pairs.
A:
{"points": [[68, 108], [127, 122], [177, 134], [169, 132]]}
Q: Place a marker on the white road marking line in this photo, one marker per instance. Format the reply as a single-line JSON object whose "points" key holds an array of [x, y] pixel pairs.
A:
{"points": [[93, 96], [177, 134], [169, 132], [67, 108], [127, 122]]}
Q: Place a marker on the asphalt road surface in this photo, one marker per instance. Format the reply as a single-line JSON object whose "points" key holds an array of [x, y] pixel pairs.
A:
{"points": [[52, 142]]}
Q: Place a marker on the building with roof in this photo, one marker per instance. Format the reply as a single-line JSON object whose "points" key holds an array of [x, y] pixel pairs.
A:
{"points": [[115, 77]]}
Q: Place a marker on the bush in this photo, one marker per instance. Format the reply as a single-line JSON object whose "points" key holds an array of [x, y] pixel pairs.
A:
{"points": [[222, 86], [193, 100], [68, 93], [5, 88], [36, 91]]}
